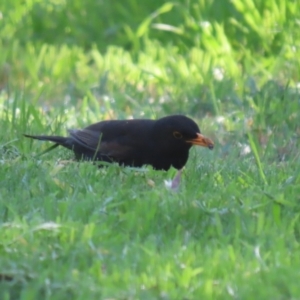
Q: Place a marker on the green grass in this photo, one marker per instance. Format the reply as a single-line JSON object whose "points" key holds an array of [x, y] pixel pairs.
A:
{"points": [[71, 230]]}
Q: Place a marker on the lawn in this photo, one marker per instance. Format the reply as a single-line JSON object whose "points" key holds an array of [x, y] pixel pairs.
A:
{"points": [[70, 230]]}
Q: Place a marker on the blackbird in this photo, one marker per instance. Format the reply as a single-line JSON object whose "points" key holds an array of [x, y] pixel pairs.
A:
{"points": [[160, 143]]}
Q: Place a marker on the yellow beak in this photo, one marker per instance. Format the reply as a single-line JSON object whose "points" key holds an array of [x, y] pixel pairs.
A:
{"points": [[202, 140]]}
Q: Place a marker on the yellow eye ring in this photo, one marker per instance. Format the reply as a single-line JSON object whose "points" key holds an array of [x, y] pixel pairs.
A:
{"points": [[177, 135]]}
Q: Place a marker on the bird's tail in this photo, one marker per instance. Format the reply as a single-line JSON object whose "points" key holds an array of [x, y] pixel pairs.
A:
{"points": [[55, 139], [58, 140]]}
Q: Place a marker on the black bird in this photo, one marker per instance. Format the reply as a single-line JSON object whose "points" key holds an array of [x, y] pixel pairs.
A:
{"points": [[160, 143]]}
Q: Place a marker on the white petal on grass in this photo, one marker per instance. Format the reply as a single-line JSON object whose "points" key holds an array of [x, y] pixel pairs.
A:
{"points": [[218, 74], [230, 290], [220, 119], [245, 149], [48, 226], [174, 184], [205, 24], [257, 255], [167, 27]]}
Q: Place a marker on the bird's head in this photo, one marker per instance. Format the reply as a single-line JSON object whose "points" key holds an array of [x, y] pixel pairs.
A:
{"points": [[182, 131]]}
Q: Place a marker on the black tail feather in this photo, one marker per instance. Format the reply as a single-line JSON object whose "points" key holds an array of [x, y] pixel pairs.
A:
{"points": [[55, 139], [58, 140]]}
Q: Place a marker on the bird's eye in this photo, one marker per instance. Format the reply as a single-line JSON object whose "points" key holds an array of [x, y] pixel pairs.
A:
{"points": [[177, 135]]}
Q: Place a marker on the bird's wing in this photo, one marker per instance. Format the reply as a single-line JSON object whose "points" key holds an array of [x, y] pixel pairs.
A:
{"points": [[87, 138], [93, 140]]}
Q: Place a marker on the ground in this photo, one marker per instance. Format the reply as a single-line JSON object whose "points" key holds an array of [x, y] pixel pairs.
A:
{"points": [[72, 230]]}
